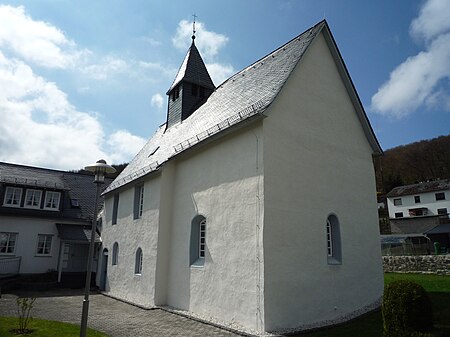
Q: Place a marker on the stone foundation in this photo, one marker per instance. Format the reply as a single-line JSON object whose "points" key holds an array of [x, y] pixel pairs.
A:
{"points": [[427, 264]]}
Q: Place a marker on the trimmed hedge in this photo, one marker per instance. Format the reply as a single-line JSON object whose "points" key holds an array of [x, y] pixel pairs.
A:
{"points": [[406, 310]]}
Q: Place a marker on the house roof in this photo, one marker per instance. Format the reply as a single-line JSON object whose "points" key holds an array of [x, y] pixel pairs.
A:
{"points": [[247, 93], [76, 233], [441, 229], [78, 186], [193, 70], [429, 186]]}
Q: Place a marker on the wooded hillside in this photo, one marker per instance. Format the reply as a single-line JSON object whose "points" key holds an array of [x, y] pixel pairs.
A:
{"points": [[415, 162]]}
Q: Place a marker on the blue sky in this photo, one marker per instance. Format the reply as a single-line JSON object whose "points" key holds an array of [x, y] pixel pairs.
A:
{"points": [[83, 80]]}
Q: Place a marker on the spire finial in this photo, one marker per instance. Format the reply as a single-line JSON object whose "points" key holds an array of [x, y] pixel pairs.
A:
{"points": [[193, 27]]}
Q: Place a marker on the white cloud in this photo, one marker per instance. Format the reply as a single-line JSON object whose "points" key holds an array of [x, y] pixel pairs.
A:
{"points": [[219, 72], [108, 67], [125, 145], [206, 41], [420, 80], [432, 21], [63, 138], [39, 126], [157, 101], [35, 41]]}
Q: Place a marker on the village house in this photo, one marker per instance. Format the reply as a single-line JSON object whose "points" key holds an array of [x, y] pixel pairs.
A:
{"points": [[421, 208], [255, 203], [45, 220]]}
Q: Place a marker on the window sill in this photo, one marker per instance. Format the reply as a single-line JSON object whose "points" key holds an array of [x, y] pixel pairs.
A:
{"points": [[39, 255], [334, 262], [13, 206], [200, 263]]}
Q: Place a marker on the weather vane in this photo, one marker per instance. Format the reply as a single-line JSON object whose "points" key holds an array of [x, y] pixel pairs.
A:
{"points": [[193, 26]]}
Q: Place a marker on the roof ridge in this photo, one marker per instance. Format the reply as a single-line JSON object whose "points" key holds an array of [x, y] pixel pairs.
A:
{"points": [[309, 30]]}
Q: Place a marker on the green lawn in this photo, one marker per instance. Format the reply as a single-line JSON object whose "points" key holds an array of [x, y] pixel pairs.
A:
{"points": [[371, 325], [43, 328]]}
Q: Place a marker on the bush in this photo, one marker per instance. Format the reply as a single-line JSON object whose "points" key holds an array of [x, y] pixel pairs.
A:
{"points": [[406, 310]]}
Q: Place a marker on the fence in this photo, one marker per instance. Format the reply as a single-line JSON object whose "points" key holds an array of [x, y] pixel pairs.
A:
{"points": [[9, 266]]}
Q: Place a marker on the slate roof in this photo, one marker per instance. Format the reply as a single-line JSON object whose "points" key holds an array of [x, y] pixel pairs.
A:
{"points": [[78, 186], [193, 70], [247, 93], [431, 186], [76, 233]]}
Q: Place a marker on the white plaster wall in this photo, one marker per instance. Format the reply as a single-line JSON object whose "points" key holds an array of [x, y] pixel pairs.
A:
{"points": [[130, 234], [427, 200], [222, 181], [317, 161], [26, 244]]}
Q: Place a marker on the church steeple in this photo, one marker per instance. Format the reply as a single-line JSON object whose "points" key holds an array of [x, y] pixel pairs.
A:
{"points": [[191, 87]]}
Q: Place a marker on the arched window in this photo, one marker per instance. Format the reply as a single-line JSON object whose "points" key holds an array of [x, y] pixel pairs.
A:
{"points": [[198, 240], [334, 251], [138, 262], [115, 255]]}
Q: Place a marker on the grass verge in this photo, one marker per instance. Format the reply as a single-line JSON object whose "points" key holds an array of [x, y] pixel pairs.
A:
{"points": [[371, 325], [43, 328]]}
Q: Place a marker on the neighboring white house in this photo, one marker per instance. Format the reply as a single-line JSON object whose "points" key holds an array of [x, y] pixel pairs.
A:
{"points": [[45, 220], [418, 200], [421, 208], [255, 204]]}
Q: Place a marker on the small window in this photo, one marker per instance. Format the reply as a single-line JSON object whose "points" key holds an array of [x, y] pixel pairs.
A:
{"points": [[33, 199], [176, 93], [115, 209], [417, 199], [13, 197], [138, 262], [399, 215], [440, 196], [75, 203], [52, 200], [398, 202], [442, 211], [7, 242], [194, 90], [198, 241], [44, 246], [333, 234], [115, 254], [138, 201]]}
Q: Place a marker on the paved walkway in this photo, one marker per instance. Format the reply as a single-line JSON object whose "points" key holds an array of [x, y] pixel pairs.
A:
{"points": [[113, 317]]}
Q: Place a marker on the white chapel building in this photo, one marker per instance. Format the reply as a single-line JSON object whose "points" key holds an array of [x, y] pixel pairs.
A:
{"points": [[255, 203]]}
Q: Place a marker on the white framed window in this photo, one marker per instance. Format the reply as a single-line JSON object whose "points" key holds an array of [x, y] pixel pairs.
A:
{"points": [[44, 245], [115, 209], [198, 241], [7, 243], [33, 198], [439, 196], [115, 254], [398, 201], [138, 207], [138, 262], [202, 239], [417, 199], [13, 195], [333, 235], [52, 200]]}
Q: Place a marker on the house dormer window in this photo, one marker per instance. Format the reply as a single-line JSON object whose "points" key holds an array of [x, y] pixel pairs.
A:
{"points": [[13, 196], [33, 198], [52, 200], [176, 93]]}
